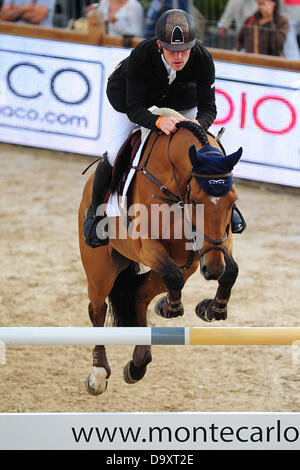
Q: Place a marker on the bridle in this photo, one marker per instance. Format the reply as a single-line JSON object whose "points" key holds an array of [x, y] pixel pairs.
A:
{"points": [[184, 198]]}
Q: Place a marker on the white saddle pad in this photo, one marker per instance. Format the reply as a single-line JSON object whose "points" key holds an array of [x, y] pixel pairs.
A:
{"points": [[115, 203]]}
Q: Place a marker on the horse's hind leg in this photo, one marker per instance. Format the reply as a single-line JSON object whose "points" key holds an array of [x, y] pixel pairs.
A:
{"points": [[136, 368], [154, 284], [96, 382], [101, 275]]}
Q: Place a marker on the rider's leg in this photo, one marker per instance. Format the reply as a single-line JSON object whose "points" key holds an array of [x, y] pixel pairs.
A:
{"points": [[238, 223], [116, 135], [101, 184]]}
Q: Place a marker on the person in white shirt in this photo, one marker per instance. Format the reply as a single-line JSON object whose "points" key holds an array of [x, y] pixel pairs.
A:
{"points": [[238, 11], [123, 17], [291, 10]]}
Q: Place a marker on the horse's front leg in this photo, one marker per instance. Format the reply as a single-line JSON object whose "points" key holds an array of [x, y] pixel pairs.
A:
{"points": [[157, 258], [170, 306], [216, 309]]}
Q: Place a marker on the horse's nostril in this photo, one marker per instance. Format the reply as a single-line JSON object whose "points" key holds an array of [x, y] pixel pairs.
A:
{"points": [[204, 270]]}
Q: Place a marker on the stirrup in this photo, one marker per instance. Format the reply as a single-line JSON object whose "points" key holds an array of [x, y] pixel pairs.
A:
{"points": [[238, 223], [90, 232]]}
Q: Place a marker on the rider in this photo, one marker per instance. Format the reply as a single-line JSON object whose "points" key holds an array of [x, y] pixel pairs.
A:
{"points": [[171, 70]]}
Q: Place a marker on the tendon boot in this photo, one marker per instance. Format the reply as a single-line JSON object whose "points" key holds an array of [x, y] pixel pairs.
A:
{"points": [[101, 185], [238, 223]]}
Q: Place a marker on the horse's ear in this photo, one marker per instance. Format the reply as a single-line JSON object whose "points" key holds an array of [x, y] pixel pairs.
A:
{"points": [[231, 160], [193, 155], [195, 158]]}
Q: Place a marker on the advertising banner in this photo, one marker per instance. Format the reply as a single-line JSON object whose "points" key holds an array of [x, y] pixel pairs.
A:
{"points": [[181, 437], [52, 95], [259, 108]]}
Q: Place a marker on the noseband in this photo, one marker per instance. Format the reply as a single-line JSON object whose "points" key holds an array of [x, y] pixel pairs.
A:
{"points": [[216, 244]]}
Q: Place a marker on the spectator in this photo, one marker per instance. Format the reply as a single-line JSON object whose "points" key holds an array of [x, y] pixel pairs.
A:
{"points": [[291, 10], [35, 12], [265, 32], [237, 11], [157, 8], [123, 17]]}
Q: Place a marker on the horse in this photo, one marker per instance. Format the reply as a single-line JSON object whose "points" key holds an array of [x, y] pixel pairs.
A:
{"points": [[188, 168]]}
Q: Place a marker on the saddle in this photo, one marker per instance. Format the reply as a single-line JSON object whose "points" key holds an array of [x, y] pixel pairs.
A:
{"points": [[123, 162]]}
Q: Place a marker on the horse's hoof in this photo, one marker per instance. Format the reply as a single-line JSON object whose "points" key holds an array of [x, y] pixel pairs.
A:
{"points": [[159, 307], [91, 387], [173, 313], [201, 310], [133, 374]]}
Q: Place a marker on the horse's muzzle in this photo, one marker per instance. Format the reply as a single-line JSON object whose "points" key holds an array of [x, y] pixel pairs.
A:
{"points": [[212, 267]]}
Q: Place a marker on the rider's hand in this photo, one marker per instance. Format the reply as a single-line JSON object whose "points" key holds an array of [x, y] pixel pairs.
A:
{"points": [[168, 124]]}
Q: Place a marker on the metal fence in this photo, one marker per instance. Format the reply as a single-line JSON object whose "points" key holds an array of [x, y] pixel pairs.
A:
{"points": [[207, 14], [210, 13], [210, 9]]}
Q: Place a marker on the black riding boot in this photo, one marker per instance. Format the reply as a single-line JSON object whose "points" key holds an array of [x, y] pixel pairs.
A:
{"points": [[238, 223], [101, 185]]}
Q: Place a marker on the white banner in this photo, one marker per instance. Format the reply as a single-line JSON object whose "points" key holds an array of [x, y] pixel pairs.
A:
{"points": [[150, 431], [53, 95], [259, 108]]}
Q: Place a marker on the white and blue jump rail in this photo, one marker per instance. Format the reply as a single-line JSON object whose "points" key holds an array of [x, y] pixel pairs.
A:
{"points": [[149, 335]]}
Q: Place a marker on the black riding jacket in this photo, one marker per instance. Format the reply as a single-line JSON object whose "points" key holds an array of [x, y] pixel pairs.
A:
{"points": [[141, 81]]}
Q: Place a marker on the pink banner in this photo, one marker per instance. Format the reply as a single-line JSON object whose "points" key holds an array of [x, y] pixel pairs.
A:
{"points": [[292, 2]]}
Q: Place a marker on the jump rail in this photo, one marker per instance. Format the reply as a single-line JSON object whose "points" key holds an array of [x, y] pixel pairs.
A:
{"points": [[150, 335]]}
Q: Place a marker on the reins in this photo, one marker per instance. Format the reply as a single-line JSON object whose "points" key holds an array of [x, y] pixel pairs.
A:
{"points": [[143, 170], [181, 198]]}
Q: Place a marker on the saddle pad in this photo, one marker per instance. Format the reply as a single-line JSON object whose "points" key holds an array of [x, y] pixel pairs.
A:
{"points": [[113, 207]]}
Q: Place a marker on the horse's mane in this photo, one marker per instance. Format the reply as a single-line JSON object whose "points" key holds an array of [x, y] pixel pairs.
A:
{"points": [[196, 129]]}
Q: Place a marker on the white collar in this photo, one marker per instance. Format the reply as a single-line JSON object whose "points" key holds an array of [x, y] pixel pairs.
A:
{"points": [[171, 72]]}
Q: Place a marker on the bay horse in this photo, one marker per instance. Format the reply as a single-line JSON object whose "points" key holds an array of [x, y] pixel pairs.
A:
{"points": [[187, 168]]}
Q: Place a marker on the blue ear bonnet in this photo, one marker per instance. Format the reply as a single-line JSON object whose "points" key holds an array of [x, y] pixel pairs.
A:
{"points": [[211, 161]]}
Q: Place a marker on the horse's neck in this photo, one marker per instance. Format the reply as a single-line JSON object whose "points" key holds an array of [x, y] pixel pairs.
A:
{"points": [[179, 149]]}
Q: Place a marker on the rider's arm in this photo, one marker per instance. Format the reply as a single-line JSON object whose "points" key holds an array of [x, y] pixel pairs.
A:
{"points": [[137, 95]]}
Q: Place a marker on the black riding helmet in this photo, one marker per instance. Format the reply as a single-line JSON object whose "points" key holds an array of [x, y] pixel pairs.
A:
{"points": [[176, 30]]}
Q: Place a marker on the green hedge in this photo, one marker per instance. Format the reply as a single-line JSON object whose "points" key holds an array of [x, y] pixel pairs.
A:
{"points": [[211, 9]]}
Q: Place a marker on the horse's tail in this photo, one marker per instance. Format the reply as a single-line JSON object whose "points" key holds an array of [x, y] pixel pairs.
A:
{"points": [[122, 295]]}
